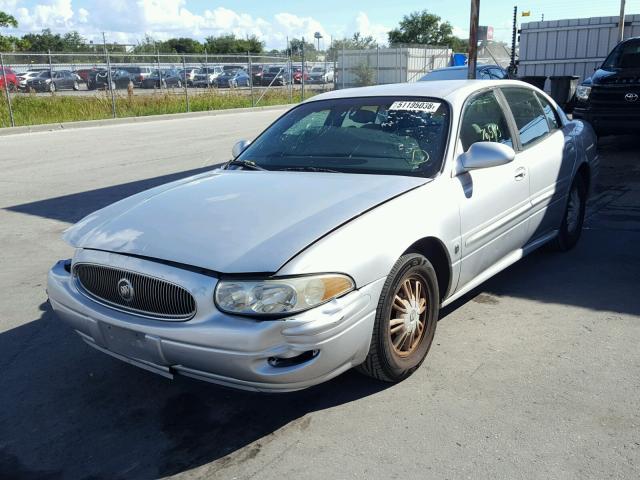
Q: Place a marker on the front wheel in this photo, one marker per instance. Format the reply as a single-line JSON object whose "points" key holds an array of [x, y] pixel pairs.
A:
{"points": [[76, 86], [406, 320], [571, 226], [52, 87]]}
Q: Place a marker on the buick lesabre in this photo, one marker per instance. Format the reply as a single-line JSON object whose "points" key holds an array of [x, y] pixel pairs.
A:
{"points": [[333, 239]]}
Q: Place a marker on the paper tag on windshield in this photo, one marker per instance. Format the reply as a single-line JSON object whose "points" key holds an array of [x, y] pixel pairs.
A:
{"points": [[429, 107]]}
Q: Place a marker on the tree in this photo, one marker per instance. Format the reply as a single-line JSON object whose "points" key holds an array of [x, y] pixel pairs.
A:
{"points": [[295, 49], [45, 40], [7, 20], [356, 42], [422, 28], [182, 45], [231, 44]]}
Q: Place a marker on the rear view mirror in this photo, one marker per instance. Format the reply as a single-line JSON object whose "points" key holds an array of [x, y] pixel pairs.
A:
{"points": [[487, 154], [239, 147]]}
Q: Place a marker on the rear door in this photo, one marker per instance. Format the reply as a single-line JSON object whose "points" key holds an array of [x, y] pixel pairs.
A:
{"points": [[544, 146], [494, 202]]}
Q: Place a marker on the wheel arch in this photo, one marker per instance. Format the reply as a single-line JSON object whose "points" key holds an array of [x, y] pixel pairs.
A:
{"points": [[434, 250]]}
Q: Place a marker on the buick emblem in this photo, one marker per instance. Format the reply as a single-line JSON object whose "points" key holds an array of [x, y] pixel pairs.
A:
{"points": [[631, 97], [125, 290]]}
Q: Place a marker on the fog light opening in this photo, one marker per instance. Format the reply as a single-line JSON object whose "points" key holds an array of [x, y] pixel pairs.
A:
{"points": [[279, 362]]}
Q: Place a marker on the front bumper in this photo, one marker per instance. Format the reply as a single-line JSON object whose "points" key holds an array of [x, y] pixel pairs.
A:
{"points": [[610, 122], [213, 346]]}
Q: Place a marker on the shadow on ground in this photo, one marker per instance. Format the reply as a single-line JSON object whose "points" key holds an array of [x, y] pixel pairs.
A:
{"points": [[73, 207], [69, 411]]}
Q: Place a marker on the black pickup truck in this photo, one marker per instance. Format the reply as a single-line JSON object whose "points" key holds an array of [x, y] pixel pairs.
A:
{"points": [[610, 99]]}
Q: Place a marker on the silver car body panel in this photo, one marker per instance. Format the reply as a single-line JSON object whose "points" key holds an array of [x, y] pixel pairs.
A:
{"points": [[292, 223]]}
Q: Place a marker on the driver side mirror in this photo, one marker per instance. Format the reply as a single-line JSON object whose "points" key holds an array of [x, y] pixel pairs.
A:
{"points": [[485, 155], [239, 147]]}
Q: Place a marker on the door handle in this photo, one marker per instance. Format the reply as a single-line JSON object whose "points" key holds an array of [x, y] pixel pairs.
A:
{"points": [[520, 174]]}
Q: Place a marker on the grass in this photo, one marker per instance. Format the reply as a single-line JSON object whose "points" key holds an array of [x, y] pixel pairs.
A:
{"points": [[31, 109]]}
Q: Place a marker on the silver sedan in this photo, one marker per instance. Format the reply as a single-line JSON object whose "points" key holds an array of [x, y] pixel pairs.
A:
{"points": [[333, 239]]}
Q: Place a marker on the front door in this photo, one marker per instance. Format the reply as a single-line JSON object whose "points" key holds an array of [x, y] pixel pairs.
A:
{"points": [[494, 202]]}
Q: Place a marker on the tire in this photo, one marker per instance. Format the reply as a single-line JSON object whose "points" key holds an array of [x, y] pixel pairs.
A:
{"points": [[52, 87], [113, 85], [179, 84], [573, 218], [76, 86], [393, 356]]}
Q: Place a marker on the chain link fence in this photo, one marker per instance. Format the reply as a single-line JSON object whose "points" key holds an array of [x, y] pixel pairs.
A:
{"points": [[58, 87]]}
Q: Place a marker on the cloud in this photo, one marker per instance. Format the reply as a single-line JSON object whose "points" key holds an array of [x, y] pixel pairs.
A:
{"points": [[128, 21], [366, 28]]}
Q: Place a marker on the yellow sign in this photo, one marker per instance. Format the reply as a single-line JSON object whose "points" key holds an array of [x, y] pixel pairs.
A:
{"points": [[526, 14]]}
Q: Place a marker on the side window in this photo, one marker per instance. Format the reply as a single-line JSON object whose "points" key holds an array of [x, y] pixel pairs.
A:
{"points": [[530, 119], [550, 112], [484, 121]]}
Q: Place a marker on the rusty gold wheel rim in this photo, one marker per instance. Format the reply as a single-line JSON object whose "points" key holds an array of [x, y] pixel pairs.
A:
{"points": [[408, 316]]}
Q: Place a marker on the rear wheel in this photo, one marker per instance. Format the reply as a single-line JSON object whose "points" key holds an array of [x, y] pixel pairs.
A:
{"points": [[573, 219], [405, 322]]}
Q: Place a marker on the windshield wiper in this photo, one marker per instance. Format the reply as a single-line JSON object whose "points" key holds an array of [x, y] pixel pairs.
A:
{"points": [[308, 169], [248, 164]]}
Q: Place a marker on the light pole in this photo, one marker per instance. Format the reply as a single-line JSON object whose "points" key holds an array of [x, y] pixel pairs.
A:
{"points": [[317, 36]]}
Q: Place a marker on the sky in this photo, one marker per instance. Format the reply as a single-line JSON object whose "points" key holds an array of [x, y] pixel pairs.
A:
{"points": [[127, 21]]}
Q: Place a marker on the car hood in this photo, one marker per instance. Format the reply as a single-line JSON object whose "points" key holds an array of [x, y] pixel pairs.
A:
{"points": [[625, 76], [235, 221]]}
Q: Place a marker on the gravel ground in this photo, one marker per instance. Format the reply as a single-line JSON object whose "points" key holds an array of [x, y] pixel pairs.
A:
{"points": [[534, 375]]}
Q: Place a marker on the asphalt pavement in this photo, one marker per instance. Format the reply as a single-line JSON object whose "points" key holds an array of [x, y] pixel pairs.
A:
{"points": [[534, 375]]}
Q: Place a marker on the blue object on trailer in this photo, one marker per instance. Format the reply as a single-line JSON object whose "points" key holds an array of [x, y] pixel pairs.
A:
{"points": [[459, 59]]}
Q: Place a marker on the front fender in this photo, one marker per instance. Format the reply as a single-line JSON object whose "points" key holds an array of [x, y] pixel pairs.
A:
{"points": [[368, 246]]}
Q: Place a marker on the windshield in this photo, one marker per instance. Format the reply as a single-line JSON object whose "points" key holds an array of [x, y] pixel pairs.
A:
{"points": [[44, 74], [317, 69], [625, 55], [275, 69], [377, 135]]}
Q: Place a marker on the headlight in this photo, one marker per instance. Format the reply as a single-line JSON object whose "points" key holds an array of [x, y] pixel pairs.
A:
{"points": [[280, 296], [583, 92]]}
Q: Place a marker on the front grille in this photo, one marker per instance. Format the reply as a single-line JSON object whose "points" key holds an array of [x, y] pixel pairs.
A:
{"points": [[134, 292], [612, 98]]}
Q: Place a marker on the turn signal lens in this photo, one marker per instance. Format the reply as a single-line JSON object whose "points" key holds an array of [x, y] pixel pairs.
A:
{"points": [[280, 296]]}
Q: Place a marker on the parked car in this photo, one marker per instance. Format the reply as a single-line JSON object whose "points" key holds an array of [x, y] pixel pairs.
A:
{"points": [[8, 79], [62, 80], [188, 75], [610, 98], [233, 79], [228, 68], [276, 75], [206, 76], [298, 74], [23, 77], [321, 75], [99, 79], [483, 72], [137, 73], [256, 74], [364, 210], [164, 79]]}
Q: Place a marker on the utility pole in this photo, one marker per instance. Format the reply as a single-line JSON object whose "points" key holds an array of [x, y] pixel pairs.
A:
{"points": [[621, 22], [514, 32], [473, 39], [111, 85]]}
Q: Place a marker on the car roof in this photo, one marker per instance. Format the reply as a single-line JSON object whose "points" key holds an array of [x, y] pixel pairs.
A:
{"points": [[454, 91]]}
